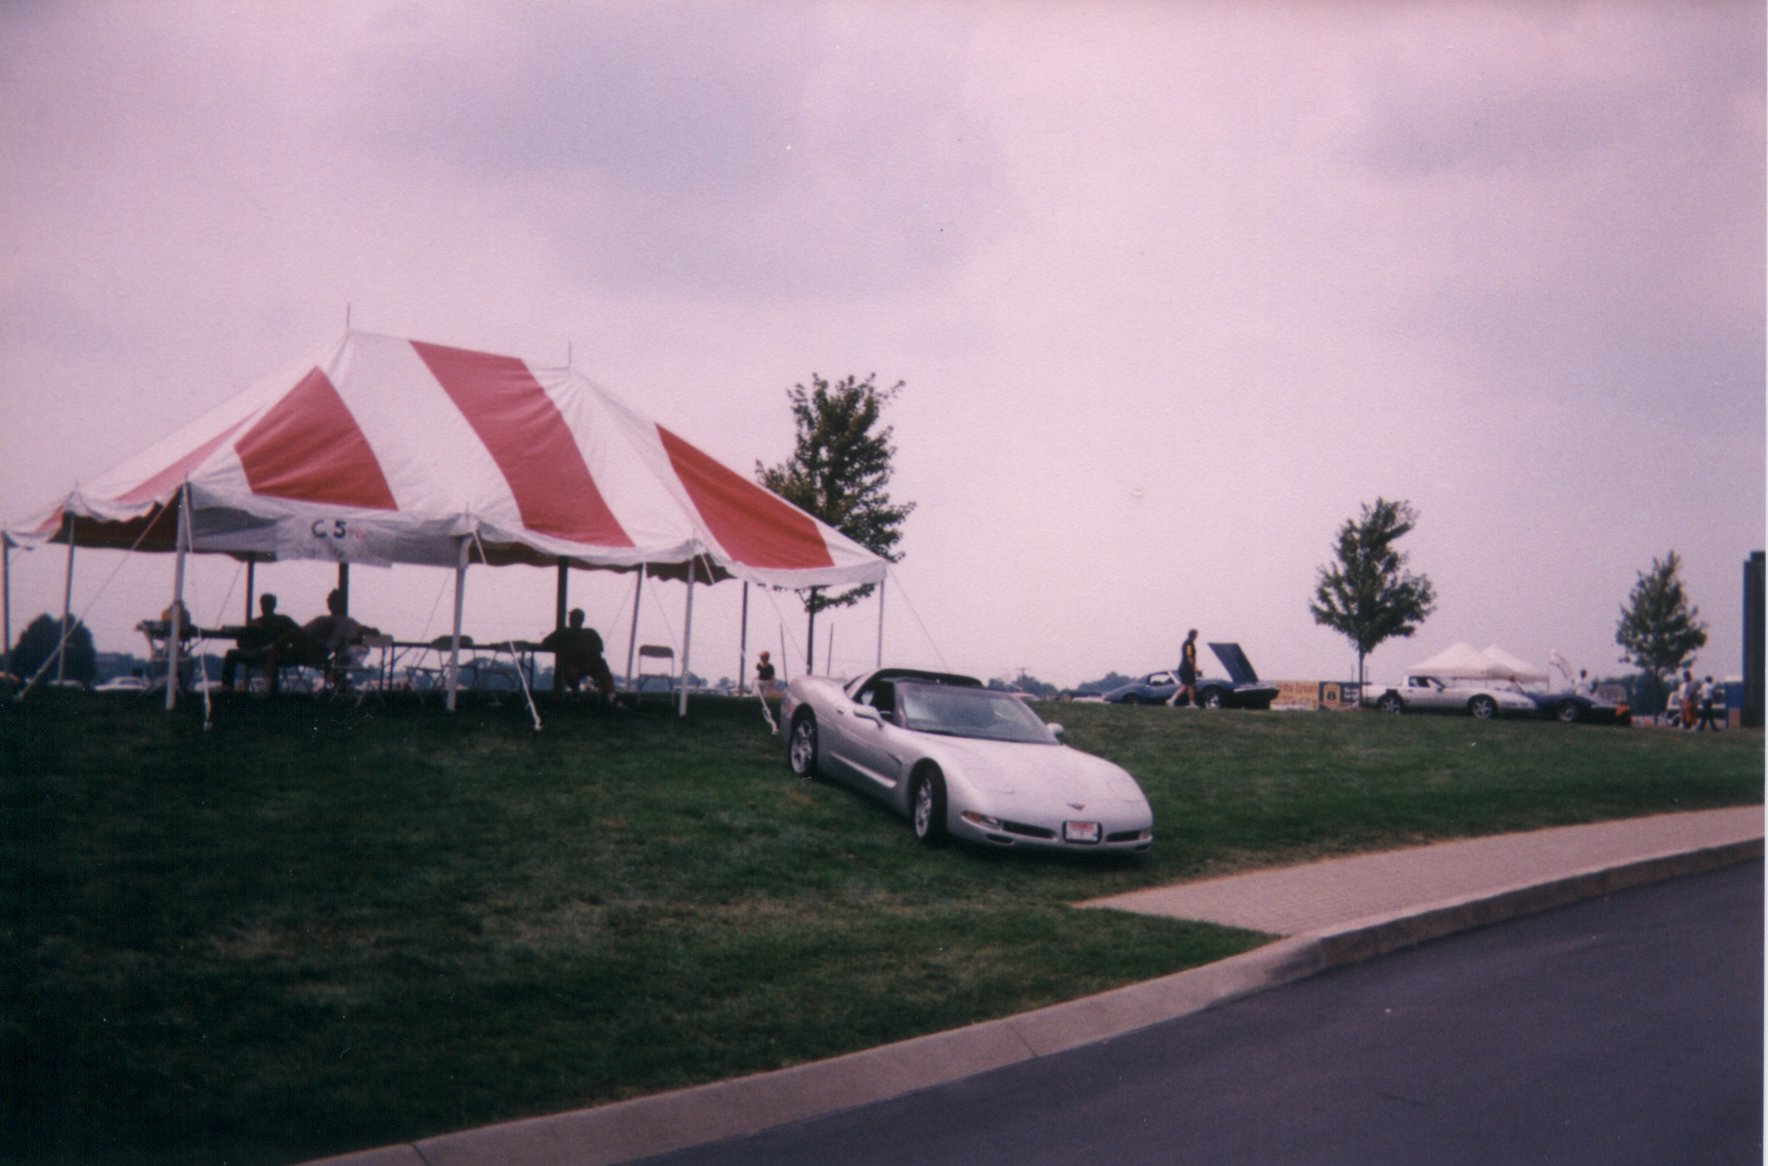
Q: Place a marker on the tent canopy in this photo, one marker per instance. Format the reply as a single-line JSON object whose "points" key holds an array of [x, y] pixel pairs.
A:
{"points": [[1461, 661], [1516, 666], [386, 450]]}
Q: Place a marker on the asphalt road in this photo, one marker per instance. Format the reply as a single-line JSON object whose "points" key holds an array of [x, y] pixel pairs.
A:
{"points": [[1617, 1031]]}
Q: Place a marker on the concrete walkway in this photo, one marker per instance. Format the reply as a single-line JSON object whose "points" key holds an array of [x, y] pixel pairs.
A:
{"points": [[1329, 913]]}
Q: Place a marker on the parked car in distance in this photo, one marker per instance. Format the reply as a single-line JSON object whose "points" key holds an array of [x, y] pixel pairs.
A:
{"points": [[1241, 689], [1570, 707], [1428, 694], [123, 684], [961, 761]]}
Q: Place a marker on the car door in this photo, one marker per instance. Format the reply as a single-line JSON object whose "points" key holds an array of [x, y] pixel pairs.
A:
{"points": [[865, 731], [1427, 692]]}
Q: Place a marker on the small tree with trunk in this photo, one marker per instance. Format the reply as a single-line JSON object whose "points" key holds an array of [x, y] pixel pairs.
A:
{"points": [[1659, 630], [839, 472], [1367, 594]]}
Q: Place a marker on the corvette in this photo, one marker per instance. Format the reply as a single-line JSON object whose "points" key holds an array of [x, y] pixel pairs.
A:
{"points": [[961, 761]]}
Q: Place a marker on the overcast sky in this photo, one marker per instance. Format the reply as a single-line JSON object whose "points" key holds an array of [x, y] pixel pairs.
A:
{"points": [[1174, 289]]}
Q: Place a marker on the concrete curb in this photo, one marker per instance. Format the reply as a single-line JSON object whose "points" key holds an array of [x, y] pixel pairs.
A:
{"points": [[640, 1128]]}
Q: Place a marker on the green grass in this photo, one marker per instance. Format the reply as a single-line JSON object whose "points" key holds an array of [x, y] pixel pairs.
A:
{"points": [[314, 928]]}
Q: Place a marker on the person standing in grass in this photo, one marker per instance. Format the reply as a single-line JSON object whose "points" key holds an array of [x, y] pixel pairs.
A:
{"points": [[1690, 699], [1709, 693], [1187, 671]]}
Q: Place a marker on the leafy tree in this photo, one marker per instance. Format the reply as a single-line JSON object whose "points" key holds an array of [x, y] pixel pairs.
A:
{"points": [[1367, 595], [839, 472], [37, 644], [1659, 630]]}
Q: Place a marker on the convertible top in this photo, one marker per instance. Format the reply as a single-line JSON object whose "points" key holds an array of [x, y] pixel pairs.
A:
{"points": [[924, 677]]}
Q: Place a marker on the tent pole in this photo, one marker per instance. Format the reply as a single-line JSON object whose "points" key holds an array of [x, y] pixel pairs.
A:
{"points": [[560, 600], [251, 587], [175, 625], [67, 609], [879, 663], [743, 646], [638, 592], [344, 584], [687, 641], [460, 585], [5, 605]]}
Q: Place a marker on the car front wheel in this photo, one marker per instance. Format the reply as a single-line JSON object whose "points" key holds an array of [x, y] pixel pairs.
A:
{"points": [[801, 745], [1483, 707], [1567, 713], [1213, 699], [929, 808]]}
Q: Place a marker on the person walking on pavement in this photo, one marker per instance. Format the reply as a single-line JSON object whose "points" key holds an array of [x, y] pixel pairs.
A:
{"points": [[1187, 671]]}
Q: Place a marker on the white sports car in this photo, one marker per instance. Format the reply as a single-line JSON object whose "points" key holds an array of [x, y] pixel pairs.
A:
{"points": [[1481, 698], [961, 760]]}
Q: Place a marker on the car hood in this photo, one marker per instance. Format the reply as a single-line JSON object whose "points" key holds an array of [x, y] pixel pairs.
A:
{"points": [[1009, 767], [1238, 666]]}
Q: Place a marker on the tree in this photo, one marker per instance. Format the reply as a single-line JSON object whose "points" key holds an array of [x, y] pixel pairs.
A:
{"points": [[37, 644], [839, 472], [1659, 630], [1368, 596]]}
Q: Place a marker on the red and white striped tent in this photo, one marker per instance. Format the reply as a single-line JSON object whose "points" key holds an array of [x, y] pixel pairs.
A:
{"points": [[387, 450]]}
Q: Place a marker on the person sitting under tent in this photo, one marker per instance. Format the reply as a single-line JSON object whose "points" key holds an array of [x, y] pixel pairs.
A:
{"points": [[252, 644], [577, 653], [323, 642]]}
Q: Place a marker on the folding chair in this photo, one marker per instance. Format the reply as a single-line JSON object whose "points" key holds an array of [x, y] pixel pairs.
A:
{"points": [[663, 655]]}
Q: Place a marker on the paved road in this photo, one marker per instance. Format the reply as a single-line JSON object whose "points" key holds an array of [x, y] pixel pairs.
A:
{"points": [[1617, 1031]]}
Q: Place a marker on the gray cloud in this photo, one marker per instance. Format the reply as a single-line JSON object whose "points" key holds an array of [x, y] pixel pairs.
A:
{"points": [[703, 147]]}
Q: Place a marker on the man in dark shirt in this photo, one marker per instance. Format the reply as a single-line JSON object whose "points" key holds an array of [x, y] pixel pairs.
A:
{"points": [[255, 639], [1187, 671], [577, 653]]}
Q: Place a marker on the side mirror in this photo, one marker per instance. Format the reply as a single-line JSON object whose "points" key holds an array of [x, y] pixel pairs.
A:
{"points": [[866, 712], [1056, 730]]}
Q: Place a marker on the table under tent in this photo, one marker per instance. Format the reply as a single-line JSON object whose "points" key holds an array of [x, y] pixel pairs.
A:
{"points": [[389, 451]]}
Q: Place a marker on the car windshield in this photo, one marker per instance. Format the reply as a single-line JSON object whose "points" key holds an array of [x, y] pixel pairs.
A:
{"points": [[970, 712]]}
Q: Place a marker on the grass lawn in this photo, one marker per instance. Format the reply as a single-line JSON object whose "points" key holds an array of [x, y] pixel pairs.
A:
{"points": [[315, 928]]}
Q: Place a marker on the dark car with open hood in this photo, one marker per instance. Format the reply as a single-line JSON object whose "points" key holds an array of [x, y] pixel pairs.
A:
{"points": [[1240, 689]]}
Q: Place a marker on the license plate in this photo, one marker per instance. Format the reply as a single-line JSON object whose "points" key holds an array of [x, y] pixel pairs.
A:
{"points": [[1081, 832]]}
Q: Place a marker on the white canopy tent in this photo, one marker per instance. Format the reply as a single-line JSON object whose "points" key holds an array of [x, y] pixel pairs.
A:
{"points": [[386, 450], [1461, 661], [1516, 667]]}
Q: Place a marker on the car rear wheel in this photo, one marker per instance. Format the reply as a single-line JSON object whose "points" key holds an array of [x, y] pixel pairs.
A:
{"points": [[801, 745], [1567, 713], [1391, 703], [1483, 707], [928, 807]]}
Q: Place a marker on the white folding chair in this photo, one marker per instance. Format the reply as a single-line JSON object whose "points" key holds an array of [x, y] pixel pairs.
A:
{"points": [[655, 660]]}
